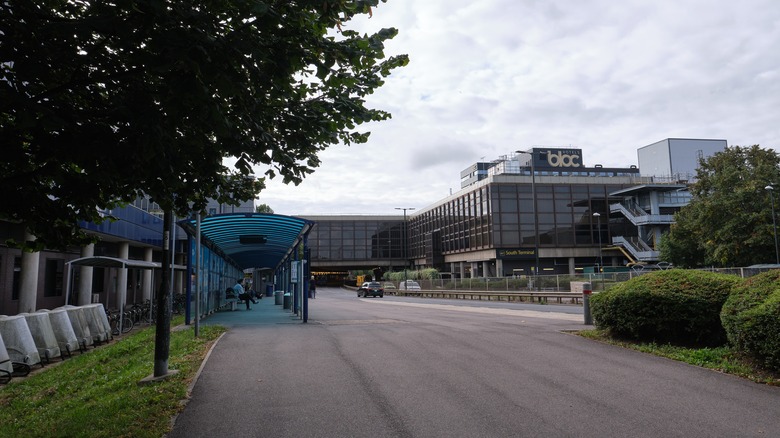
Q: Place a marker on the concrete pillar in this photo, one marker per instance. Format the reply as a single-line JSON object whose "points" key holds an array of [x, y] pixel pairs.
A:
{"points": [[654, 204], [85, 277], [146, 276], [572, 266], [474, 270], [121, 287], [499, 268], [462, 269], [486, 269], [28, 281]]}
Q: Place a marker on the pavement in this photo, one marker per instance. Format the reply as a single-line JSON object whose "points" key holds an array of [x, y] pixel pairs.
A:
{"points": [[391, 367]]}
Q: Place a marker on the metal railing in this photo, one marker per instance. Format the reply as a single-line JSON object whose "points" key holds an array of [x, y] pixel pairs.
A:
{"points": [[547, 283]]}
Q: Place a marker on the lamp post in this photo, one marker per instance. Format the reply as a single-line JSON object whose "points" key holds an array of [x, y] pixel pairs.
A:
{"points": [[598, 230], [770, 189], [403, 246], [533, 208]]}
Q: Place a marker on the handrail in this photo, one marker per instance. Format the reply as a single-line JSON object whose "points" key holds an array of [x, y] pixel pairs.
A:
{"points": [[540, 297], [638, 216], [639, 253]]}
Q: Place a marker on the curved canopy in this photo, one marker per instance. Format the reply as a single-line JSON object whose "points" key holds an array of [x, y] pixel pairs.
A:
{"points": [[250, 240], [114, 262]]}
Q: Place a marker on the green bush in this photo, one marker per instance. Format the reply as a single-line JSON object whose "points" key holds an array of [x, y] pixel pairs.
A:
{"points": [[751, 317], [675, 306], [419, 274]]}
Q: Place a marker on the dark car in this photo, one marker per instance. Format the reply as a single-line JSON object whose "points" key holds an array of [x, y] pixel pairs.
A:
{"points": [[372, 288]]}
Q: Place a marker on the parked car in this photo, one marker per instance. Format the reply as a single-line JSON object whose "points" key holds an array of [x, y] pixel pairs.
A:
{"points": [[372, 288], [409, 285]]}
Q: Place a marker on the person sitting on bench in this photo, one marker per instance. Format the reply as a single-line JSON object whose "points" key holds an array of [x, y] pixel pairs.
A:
{"points": [[239, 291]]}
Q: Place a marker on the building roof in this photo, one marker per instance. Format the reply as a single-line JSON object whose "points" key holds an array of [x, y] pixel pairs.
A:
{"points": [[251, 240]]}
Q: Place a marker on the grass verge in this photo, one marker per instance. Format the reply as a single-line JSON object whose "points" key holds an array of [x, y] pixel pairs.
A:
{"points": [[96, 394], [722, 359]]}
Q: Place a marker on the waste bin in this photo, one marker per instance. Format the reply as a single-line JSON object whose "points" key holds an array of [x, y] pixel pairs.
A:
{"points": [[269, 290], [287, 300], [278, 297]]}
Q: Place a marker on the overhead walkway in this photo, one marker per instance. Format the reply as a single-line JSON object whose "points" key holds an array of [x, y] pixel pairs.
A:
{"points": [[258, 241]]}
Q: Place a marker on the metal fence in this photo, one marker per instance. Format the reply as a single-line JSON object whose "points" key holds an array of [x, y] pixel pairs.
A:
{"points": [[545, 283]]}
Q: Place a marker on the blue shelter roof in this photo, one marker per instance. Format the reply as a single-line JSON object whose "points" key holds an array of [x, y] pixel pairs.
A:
{"points": [[251, 240]]}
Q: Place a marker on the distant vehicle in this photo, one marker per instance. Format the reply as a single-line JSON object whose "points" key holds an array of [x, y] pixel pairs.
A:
{"points": [[389, 287], [409, 285], [372, 288]]}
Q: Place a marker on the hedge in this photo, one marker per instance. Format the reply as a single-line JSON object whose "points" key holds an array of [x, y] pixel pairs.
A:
{"points": [[675, 306], [751, 317]]}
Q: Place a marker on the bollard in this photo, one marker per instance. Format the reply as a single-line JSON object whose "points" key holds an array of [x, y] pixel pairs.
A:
{"points": [[586, 291]]}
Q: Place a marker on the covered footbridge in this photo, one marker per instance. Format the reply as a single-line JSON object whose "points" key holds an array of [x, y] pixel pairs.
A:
{"points": [[224, 246]]}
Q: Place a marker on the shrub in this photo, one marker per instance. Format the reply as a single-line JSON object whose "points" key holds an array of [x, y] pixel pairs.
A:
{"points": [[675, 306], [751, 317]]}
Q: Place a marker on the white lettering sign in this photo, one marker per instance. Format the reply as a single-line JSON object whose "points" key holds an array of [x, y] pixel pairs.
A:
{"points": [[562, 160]]}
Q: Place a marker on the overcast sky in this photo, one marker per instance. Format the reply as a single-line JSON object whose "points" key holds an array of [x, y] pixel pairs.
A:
{"points": [[489, 77]]}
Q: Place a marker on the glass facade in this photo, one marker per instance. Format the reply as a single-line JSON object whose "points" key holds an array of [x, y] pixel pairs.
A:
{"points": [[523, 220], [461, 224], [348, 239], [503, 216]]}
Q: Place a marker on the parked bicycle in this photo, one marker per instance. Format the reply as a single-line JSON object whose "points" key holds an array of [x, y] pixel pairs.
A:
{"points": [[114, 318], [179, 304], [143, 313]]}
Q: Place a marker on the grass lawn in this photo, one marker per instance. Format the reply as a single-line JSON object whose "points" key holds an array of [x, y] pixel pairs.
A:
{"points": [[721, 359], [97, 394]]}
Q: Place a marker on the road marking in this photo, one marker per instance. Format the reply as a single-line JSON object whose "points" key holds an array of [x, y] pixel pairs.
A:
{"points": [[486, 310]]}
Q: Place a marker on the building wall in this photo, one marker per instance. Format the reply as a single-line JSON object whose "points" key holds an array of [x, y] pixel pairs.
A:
{"points": [[129, 224], [676, 159]]}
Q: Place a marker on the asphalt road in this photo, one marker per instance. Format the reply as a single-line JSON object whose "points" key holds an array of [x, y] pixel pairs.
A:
{"points": [[409, 367]]}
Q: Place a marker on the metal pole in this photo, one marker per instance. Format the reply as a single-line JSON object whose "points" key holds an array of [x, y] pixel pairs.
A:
{"points": [[197, 274], [587, 289], [173, 259], [306, 277], [598, 231], [404, 243], [536, 216], [774, 222]]}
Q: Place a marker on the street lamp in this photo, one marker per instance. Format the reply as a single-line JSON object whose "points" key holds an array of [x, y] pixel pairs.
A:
{"points": [[774, 222], [533, 207], [598, 230], [403, 247]]}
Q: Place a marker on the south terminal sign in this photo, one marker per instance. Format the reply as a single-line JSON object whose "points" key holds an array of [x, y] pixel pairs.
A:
{"points": [[516, 254]]}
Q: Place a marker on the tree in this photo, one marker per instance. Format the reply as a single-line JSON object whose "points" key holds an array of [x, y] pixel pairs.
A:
{"points": [[264, 208], [729, 219], [102, 102]]}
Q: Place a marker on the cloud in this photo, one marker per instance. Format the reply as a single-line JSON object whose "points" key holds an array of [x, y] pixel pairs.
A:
{"points": [[490, 77]]}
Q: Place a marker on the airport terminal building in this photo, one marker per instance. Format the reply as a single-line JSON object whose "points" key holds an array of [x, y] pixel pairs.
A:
{"points": [[539, 211]]}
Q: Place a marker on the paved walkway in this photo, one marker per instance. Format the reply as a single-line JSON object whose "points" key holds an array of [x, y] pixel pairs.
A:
{"points": [[383, 368]]}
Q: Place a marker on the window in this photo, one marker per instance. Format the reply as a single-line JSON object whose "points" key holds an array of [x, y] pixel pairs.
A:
{"points": [[52, 283]]}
